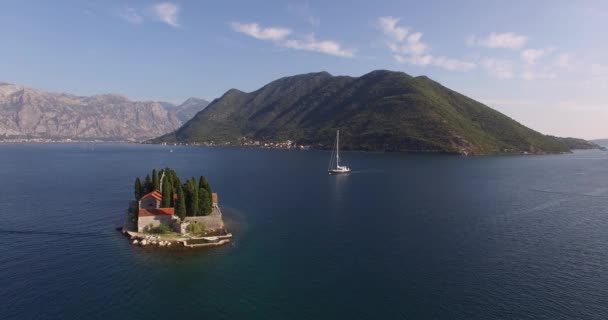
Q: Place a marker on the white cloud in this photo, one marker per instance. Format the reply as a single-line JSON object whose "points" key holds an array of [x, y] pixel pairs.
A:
{"points": [[279, 35], [530, 56], [508, 40], [390, 28], [166, 12], [254, 30], [499, 68], [442, 62], [322, 46], [408, 48], [130, 15]]}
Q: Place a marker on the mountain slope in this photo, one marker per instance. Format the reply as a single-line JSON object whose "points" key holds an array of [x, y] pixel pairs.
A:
{"points": [[382, 110], [30, 113], [188, 108]]}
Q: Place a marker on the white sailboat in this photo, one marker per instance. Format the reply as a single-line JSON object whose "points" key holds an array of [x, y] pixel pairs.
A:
{"points": [[334, 166]]}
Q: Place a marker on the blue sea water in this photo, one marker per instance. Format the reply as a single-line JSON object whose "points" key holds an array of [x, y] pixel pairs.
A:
{"points": [[401, 237]]}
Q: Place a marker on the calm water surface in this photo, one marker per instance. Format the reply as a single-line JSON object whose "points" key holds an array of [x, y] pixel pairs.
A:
{"points": [[403, 236]]}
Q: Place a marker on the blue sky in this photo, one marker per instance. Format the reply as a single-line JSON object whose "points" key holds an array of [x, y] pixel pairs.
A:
{"points": [[544, 63]]}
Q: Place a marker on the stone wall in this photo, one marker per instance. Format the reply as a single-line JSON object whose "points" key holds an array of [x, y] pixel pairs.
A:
{"points": [[149, 203], [212, 222], [156, 220]]}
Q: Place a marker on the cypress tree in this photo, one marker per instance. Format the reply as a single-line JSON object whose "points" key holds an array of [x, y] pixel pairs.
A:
{"points": [[180, 206], [203, 183], [205, 205], [155, 180], [166, 202], [191, 198], [147, 184], [194, 200], [138, 189]]}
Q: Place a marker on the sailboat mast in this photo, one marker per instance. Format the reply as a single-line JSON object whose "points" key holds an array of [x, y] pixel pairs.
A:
{"points": [[338, 148]]}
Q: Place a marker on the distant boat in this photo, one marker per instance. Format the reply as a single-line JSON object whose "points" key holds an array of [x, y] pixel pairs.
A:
{"points": [[334, 161]]}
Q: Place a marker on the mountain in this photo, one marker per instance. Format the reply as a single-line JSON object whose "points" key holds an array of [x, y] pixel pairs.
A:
{"points": [[31, 113], [601, 142], [579, 144], [382, 110], [188, 108]]}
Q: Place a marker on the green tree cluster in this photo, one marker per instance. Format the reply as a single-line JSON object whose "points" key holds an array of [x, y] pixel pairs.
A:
{"points": [[191, 198]]}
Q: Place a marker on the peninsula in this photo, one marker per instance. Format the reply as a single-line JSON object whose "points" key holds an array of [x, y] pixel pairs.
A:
{"points": [[167, 212]]}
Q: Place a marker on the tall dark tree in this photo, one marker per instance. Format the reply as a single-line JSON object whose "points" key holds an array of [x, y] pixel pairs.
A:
{"points": [[139, 191], [167, 194], [204, 200], [180, 205], [203, 183], [192, 198], [155, 180], [148, 184]]}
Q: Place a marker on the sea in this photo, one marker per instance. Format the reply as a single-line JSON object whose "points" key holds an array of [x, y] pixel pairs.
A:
{"points": [[403, 236]]}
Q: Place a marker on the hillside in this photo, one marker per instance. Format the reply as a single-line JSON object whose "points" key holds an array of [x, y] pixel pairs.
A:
{"points": [[31, 113], [382, 110], [187, 109], [579, 144]]}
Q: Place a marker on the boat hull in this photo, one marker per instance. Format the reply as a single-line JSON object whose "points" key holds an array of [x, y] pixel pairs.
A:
{"points": [[338, 171]]}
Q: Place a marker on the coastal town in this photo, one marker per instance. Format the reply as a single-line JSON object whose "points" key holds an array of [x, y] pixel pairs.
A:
{"points": [[167, 213], [244, 142]]}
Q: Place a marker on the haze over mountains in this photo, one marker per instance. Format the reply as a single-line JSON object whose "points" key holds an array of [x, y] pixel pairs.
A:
{"points": [[379, 111], [31, 113]]}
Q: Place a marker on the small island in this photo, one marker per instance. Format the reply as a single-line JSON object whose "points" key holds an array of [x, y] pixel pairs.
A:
{"points": [[167, 213]]}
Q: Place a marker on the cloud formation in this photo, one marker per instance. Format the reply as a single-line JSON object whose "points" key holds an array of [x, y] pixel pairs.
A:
{"points": [[408, 47], [508, 40], [166, 12], [279, 36], [254, 30], [323, 46], [530, 56]]}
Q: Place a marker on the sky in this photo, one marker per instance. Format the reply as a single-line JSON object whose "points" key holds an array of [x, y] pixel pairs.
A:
{"points": [[543, 63]]}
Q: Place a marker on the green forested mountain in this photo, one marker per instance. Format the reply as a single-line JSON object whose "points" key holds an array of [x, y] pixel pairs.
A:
{"points": [[382, 110], [579, 144]]}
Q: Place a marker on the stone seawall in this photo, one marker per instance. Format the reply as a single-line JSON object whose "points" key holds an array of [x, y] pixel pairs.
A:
{"points": [[211, 222]]}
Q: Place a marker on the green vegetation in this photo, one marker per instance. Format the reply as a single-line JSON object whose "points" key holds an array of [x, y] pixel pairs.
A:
{"points": [[180, 205], [381, 111], [167, 193], [196, 228], [160, 229], [577, 144], [188, 199], [205, 203], [139, 191], [155, 180]]}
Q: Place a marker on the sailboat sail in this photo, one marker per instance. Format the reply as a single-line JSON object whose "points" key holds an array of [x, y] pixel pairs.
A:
{"points": [[335, 154]]}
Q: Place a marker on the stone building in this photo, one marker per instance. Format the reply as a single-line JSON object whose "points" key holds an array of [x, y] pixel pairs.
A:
{"points": [[151, 214]]}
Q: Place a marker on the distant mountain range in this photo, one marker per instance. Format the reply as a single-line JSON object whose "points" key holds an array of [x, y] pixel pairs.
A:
{"points": [[380, 111], [31, 113]]}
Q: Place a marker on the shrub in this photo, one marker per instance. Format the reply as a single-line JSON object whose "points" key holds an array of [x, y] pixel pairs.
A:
{"points": [[196, 228], [160, 229]]}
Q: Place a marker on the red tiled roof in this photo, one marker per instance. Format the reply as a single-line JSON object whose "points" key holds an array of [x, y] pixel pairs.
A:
{"points": [[154, 194], [155, 212]]}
